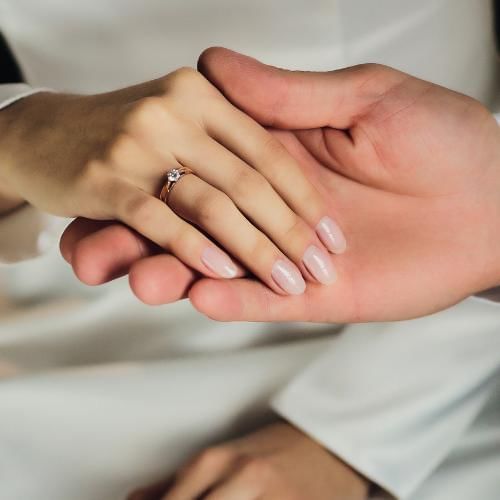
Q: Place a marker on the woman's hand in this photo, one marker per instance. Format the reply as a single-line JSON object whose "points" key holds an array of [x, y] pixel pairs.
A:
{"points": [[106, 156], [276, 463]]}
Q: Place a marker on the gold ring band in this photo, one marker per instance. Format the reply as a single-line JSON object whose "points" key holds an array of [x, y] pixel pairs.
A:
{"points": [[173, 176]]}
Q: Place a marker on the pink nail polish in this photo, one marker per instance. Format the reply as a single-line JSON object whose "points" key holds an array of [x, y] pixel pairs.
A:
{"points": [[331, 235], [219, 262], [288, 277], [320, 265]]}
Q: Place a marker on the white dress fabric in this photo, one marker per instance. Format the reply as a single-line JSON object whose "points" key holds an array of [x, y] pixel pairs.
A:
{"points": [[99, 393]]}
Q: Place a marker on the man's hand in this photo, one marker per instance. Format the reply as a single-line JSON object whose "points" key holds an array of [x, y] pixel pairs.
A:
{"points": [[412, 171], [276, 463]]}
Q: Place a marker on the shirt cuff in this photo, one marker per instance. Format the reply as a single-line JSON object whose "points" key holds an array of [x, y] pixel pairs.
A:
{"points": [[12, 92], [27, 233]]}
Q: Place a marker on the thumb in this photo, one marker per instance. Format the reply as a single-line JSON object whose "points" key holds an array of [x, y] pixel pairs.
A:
{"points": [[296, 99]]}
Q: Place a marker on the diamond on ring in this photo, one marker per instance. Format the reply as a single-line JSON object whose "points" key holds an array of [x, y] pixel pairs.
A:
{"points": [[174, 175]]}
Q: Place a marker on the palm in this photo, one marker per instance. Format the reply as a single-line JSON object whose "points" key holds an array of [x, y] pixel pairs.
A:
{"points": [[403, 194]]}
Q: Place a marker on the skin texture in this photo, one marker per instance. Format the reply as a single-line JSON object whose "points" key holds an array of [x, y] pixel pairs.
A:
{"points": [[275, 463], [105, 157], [410, 170]]}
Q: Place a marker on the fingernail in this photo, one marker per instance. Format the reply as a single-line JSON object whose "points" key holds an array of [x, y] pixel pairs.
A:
{"points": [[288, 277], [320, 265], [331, 235], [219, 262]]}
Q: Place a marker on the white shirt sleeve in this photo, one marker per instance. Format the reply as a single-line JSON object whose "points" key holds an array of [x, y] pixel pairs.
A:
{"points": [[26, 232], [12, 92], [392, 400]]}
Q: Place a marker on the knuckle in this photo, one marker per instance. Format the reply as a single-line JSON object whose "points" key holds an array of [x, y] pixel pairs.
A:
{"points": [[183, 239], [212, 207], [375, 79], [92, 171], [212, 457], [136, 208], [146, 113], [295, 228], [121, 149], [92, 179], [261, 249], [374, 72], [372, 68], [258, 469], [185, 76], [273, 150], [247, 182]]}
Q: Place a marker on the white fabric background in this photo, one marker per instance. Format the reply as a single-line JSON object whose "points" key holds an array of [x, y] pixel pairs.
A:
{"points": [[101, 393]]}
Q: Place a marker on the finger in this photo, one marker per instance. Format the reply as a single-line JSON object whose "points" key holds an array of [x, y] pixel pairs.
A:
{"points": [[160, 279], [156, 221], [200, 475], [77, 230], [153, 492], [103, 254], [257, 199], [240, 486], [138, 164], [215, 213], [245, 300], [249, 300], [295, 99], [248, 140]]}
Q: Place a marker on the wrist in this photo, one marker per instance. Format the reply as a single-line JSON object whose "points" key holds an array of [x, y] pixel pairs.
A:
{"points": [[16, 117], [9, 202]]}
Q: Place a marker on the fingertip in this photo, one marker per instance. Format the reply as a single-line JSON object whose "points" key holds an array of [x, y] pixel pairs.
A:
{"points": [[249, 84], [211, 54], [78, 229], [85, 266], [107, 254], [161, 279], [66, 249]]}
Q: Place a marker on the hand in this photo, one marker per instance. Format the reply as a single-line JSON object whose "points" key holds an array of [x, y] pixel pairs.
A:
{"points": [[412, 170], [105, 157], [275, 463]]}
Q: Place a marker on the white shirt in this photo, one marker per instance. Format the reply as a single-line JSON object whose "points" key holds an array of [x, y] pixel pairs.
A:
{"points": [[98, 388]]}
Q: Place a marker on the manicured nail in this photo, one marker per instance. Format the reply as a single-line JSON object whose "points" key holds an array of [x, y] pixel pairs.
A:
{"points": [[288, 277], [331, 235], [320, 265], [219, 262]]}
